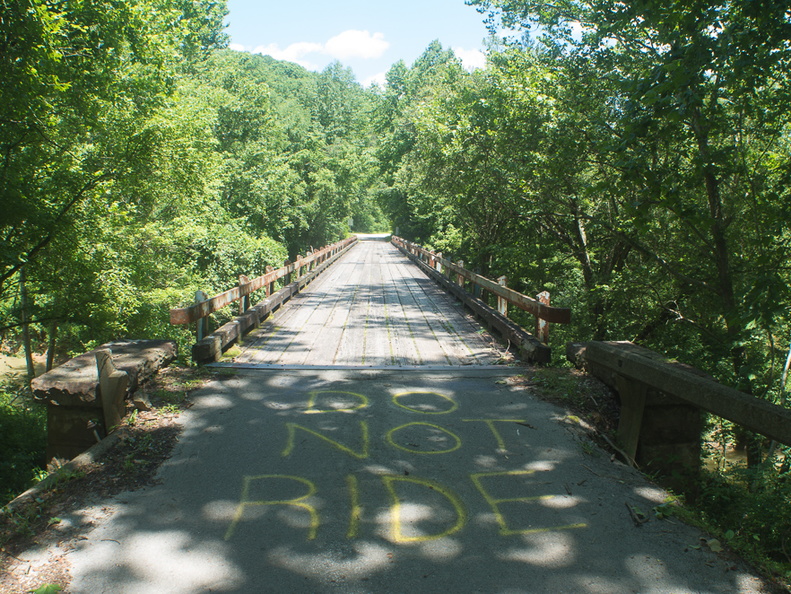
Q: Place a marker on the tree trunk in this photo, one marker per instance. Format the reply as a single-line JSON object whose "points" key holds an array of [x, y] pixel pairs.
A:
{"points": [[53, 336], [23, 297]]}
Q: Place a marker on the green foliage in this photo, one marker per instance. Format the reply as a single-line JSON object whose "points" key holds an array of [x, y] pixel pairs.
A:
{"points": [[749, 509], [158, 165], [23, 438]]}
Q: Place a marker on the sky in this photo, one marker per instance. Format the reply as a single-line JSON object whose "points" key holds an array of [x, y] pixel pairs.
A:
{"points": [[367, 36]]}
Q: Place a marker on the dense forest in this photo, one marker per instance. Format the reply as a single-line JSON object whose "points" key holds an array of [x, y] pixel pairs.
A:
{"points": [[632, 158]]}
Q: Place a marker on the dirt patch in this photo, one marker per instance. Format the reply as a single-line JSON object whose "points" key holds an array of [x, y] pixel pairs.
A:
{"points": [[13, 368], [36, 537], [593, 406]]}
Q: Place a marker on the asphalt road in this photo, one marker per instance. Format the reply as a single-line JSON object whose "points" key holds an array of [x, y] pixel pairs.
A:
{"points": [[390, 481]]}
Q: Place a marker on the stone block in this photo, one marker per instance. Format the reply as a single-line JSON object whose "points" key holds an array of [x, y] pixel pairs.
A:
{"points": [[78, 413]]}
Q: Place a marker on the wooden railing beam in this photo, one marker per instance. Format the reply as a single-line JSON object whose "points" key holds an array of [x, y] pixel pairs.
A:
{"points": [[188, 315], [558, 315]]}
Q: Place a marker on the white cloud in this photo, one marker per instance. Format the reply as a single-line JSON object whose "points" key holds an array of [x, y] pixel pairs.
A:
{"points": [[377, 79], [292, 53], [349, 44], [470, 59], [356, 44]]}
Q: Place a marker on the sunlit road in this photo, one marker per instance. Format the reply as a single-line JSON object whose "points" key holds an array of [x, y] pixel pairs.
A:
{"points": [[389, 481]]}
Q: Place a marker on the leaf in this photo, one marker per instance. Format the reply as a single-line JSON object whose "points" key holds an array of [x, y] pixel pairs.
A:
{"points": [[714, 545], [47, 589]]}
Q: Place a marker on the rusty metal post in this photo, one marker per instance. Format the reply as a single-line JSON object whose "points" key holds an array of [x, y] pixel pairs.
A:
{"points": [[287, 277], [502, 304], [244, 300], [542, 326], [477, 291], [269, 286], [202, 323]]}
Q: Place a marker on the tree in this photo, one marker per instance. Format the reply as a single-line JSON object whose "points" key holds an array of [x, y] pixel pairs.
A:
{"points": [[82, 89], [694, 133]]}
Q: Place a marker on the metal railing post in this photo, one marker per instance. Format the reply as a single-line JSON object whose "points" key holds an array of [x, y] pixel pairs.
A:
{"points": [[269, 286], [202, 323], [542, 326], [244, 300], [287, 276]]}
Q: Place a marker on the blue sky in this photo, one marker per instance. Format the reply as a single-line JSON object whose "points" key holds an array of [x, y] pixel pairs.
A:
{"points": [[368, 36]]}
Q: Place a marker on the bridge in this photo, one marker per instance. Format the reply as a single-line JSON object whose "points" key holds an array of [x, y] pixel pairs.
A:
{"points": [[367, 434], [371, 309]]}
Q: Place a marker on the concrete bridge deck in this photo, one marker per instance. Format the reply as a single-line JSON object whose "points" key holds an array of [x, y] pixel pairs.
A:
{"points": [[373, 308]]}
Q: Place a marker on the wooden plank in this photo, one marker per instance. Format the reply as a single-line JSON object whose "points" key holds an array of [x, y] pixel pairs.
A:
{"points": [[642, 365], [187, 315], [529, 346], [367, 310], [211, 347], [439, 319]]}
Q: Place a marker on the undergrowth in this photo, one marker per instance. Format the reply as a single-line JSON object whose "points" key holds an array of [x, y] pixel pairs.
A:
{"points": [[23, 439], [750, 510]]}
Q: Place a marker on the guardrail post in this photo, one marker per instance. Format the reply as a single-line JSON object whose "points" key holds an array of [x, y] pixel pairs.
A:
{"points": [[202, 323], [244, 300], [438, 265], [542, 326], [502, 304], [459, 277]]}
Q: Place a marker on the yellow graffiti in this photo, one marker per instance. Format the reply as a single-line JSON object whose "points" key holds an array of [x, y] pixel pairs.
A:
{"points": [[490, 423], [453, 403], [296, 502], [494, 503], [315, 395], [362, 454], [356, 509], [391, 441], [396, 509]]}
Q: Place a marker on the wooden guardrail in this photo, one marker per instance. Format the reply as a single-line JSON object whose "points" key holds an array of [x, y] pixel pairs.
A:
{"points": [[209, 347], [453, 277], [661, 400]]}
